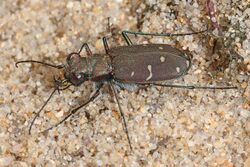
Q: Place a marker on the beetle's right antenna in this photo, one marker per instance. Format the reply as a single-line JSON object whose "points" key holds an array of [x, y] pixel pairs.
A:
{"points": [[38, 113], [39, 62], [72, 112], [58, 84]]}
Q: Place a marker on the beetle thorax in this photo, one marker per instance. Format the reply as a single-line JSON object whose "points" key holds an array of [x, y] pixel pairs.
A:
{"points": [[101, 67]]}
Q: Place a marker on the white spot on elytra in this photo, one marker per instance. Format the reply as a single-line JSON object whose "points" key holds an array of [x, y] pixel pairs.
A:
{"points": [[78, 76], [132, 74], [150, 72], [160, 48], [187, 63], [162, 58], [144, 45], [178, 69]]}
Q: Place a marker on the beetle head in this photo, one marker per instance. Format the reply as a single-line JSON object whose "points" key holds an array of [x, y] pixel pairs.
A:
{"points": [[77, 69]]}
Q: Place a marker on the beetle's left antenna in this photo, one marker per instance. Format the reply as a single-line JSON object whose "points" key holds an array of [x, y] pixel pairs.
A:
{"points": [[38, 113], [39, 62]]}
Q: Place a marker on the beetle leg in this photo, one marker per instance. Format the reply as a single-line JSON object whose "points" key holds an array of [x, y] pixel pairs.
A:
{"points": [[122, 114], [129, 42], [125, 36], [86, 46], [95, 94], [194, 86], [109, 29], [105, 44]]}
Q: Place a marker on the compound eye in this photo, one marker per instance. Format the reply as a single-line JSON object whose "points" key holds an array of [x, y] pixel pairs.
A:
{"points": [[73, 58]]}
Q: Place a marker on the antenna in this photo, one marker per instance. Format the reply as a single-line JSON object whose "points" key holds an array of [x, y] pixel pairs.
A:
{"points": [[39, 62]]}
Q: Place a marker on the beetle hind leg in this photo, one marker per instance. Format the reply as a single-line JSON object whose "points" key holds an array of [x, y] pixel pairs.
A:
{"points": [[193, 86], [129, 42]]}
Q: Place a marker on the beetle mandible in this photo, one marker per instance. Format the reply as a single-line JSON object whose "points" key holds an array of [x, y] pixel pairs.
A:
{"points": [[143, 64]]}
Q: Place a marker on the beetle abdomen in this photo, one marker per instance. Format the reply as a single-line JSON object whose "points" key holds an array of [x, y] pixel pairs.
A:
{"points": [[148, 63]]}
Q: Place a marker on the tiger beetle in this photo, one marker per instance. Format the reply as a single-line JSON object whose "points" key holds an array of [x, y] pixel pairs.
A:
{"points": [[143, 64]]}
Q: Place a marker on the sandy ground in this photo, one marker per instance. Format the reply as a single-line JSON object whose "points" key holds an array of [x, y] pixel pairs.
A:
{"points": [[168, 127]]}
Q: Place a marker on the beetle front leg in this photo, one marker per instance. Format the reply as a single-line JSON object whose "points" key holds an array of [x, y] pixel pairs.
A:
{"points": [[105, 44], [86, 46], [93, 96]]}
